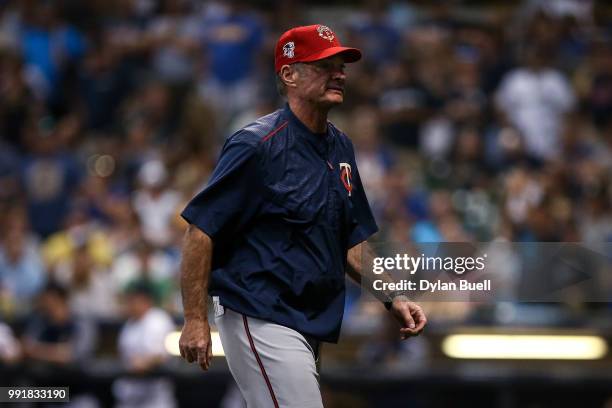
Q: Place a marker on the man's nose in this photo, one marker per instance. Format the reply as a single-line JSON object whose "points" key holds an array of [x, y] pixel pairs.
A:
{"points": [[338, 73]]}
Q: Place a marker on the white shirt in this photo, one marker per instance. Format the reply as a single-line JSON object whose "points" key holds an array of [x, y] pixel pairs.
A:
{"points": [[156, 214], [145, 337], [535, 102]]}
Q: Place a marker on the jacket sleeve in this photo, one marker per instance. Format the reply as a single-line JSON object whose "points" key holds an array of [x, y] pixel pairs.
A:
{"points": [[232, 197]]}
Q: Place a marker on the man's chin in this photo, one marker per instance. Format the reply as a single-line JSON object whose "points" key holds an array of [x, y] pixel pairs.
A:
{"points": [[335, 98]]}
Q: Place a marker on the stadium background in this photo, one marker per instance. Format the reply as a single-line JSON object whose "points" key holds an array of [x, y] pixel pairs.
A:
{"points": [[472, 121]]}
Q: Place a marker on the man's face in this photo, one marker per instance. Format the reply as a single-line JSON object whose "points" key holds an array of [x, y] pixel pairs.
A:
{"points": [[322, 82], [136, 305]]}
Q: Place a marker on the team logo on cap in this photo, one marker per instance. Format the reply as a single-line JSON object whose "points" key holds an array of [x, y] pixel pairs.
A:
{"points": [[325, 32], [289, 50], [345, 176]]}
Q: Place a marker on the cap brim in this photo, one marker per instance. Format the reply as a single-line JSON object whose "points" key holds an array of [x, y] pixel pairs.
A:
{"points": [[349, 54]]}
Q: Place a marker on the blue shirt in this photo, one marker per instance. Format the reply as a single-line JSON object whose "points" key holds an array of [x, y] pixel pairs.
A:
{"points": [[283, 207], [233, 42], [49, 182], [44, 49]]}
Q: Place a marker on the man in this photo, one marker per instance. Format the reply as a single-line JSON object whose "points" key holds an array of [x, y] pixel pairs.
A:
{"points": [[535, 98], [142, 351], [282, 218], [53, 334]]}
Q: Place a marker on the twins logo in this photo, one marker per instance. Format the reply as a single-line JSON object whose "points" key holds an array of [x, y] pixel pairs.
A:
{"points": [[289, 50], [345, 176]]}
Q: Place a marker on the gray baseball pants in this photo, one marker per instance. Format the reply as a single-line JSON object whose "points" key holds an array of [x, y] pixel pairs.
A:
{"points": [[273, 366]]}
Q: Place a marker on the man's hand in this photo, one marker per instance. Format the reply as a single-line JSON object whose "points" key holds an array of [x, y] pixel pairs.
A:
{"points": [[195, 343], [409, 315]]}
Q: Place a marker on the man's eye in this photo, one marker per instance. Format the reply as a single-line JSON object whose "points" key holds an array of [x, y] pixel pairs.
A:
{"points": [[334, 67], [328, 67]]}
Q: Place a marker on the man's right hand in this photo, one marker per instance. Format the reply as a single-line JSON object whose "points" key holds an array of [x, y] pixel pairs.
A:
{"points": [[195, 343]]}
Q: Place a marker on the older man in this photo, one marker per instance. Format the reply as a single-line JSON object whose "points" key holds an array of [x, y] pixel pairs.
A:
{"points": [[282, 218]]}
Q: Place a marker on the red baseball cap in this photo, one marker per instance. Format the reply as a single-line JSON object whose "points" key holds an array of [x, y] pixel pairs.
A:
{"points": [[310, 43]]}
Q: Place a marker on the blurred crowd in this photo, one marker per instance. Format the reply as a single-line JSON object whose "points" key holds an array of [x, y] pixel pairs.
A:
{"points": [[471, 123]]}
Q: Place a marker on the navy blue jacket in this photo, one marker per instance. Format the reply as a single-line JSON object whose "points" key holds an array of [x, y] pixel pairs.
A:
{"points": [[283, 206]]}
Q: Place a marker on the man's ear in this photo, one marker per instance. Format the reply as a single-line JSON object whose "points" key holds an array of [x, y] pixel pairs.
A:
{"points": [[289, 76]]}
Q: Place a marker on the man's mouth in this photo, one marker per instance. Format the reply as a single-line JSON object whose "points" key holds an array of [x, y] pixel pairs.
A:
{"points": [[336, 88]]}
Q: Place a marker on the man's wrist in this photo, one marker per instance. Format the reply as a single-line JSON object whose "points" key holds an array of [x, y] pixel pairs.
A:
{"points": [[392, 296], [196, 319]]}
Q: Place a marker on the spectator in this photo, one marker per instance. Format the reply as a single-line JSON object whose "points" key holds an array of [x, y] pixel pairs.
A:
{"points": [[155, 204], [404, 104], [144, 262], [10, 350], [103, 80], [22, 274], [50, 174], [375, 35], [175, 37], [92, 293], [142, 350], [535, 99], [80, 230], [49, 47], [375, 158], [53, 334], [232, 37], [124, 230]]}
